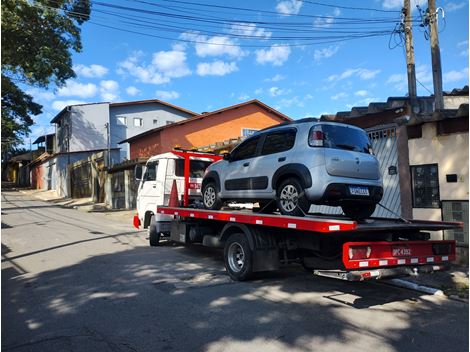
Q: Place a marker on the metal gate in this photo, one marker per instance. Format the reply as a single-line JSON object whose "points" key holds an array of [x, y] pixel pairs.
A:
{"points": [[384, 145], [80, 180]]}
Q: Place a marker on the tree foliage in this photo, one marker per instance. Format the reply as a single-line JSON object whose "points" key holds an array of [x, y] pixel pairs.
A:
{"points": [[38, 37]]}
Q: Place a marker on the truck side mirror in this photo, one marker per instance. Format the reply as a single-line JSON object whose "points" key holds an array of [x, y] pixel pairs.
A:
{"points": [[227, 157], [138, 172]]}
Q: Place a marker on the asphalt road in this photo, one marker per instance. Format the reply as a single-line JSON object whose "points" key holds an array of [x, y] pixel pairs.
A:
{"points": [[76, 281]]}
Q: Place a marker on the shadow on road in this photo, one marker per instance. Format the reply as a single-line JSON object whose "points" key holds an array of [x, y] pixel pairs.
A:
{"points": [[179, 299]]}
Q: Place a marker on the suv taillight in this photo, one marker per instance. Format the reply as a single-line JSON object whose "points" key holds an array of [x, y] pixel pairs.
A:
{"points": [[316, 138]]}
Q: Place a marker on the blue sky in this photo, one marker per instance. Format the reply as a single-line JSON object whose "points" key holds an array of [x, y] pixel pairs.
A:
{"points": [[215, 57]]}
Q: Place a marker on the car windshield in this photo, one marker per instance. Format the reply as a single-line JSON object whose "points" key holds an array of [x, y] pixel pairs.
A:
{"points": [[344, 137]]}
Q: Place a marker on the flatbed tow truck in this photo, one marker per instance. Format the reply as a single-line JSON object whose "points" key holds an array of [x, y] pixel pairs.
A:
{"points": [[327, 245]]}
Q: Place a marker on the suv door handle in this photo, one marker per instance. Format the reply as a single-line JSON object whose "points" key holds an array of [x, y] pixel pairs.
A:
{"points": [[246, 164], [282, 159]]}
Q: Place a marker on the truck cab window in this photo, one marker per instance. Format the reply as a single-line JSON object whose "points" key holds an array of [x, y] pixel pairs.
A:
{"points": [[151, 172]]}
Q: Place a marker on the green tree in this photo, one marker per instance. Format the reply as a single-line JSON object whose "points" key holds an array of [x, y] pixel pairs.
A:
{"points": [[38, 37]]}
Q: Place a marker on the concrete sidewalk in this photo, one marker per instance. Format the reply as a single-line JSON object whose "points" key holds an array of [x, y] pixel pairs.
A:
{"points": [[82, 204], [452, 283]]}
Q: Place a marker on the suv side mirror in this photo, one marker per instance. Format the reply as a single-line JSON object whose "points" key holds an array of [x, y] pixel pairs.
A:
{"points": [[227, 157], [138, 172]]}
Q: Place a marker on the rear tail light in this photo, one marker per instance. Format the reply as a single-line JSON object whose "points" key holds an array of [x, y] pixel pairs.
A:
{"points": [[359, 252], [442, 248], [316, 138]]}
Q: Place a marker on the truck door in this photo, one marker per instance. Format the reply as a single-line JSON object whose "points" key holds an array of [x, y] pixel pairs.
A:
{"points": [[150, 192]]}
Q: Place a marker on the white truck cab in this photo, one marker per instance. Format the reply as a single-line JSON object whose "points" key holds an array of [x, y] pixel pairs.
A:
{"points": [[156, 180]]}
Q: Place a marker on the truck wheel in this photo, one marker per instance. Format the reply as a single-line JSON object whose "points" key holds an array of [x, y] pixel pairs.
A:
{"points": [[358, 212], [238, 257], [154, 236], [291, 199], [209, 197]]}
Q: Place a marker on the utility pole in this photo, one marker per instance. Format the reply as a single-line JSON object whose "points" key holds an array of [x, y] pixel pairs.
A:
{"points": [[410, 55], [435, 55]]}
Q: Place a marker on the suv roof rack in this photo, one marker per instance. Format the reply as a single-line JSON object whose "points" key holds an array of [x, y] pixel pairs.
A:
{"points": [[293, 122]]}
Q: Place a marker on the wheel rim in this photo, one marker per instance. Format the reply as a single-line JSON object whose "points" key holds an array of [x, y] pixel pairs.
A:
{"points": [[209, 197], [289, 198], [236, 257]]}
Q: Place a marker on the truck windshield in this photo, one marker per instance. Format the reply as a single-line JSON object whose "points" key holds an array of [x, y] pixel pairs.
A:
{"points": [[196, 168], [348, 138]]}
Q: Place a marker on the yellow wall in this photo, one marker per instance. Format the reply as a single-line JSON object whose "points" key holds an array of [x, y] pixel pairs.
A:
{"points": [[450, 152]]}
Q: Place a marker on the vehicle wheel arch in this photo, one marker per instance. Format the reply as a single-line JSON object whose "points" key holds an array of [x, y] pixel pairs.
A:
{"points": [[212, 176], [147, 218], [232, 228], [297, 171]]}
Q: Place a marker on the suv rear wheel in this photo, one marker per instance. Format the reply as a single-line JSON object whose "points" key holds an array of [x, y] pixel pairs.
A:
{"points": [[291, 199], [209, 197], [358, 212]]}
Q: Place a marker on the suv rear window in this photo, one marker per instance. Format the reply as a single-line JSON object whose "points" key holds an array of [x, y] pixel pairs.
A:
{"points": [[343, 137]]}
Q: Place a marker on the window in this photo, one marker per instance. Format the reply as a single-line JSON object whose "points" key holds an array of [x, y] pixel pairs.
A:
{"points": [[138, 122], [196, 168], [151, 172], [456, 211], [168, 122], [425, 183], [340, 137], [245, 150], [247, 132], [277, 142], [155, 122], [121, 121]]}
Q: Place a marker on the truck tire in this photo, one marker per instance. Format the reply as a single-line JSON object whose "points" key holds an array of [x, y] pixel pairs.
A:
{"points": [[291, 199], [358, 212], [238, 257], [154, 236], [209, 197]]}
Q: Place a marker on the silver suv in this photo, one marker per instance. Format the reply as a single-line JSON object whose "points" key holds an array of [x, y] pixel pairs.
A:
{"points": [[293, 165]]}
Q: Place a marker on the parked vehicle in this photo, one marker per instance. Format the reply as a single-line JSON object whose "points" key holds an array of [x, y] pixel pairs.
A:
{"points": [[156, 181], [332, 246], [294, 165]]}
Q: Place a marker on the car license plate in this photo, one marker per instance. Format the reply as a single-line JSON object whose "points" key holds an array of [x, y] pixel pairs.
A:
{"points": [[359, 191]]}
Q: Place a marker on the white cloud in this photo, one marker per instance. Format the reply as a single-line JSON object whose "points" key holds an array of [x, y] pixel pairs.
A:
{"points": [[109, 90], [216, 68], [276, 78], [398, 4], [452, 6], [325, 53], [464, 46], [166, 95], [60, 104], [287, 102], [259, 91], [40, 95], [249, 30], [213, 46], [171, 63], [92, 71], [361, 93], [289, 7], [362, 73], [75, 89], [132, 91], [243, 97], [400, 80], [165, 65], [326, 21], [339, 96], [276, 55], [455, 76], [276, 91]]}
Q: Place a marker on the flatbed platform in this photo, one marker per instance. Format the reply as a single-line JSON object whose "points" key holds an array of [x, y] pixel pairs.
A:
{"points": [[313, 223]]}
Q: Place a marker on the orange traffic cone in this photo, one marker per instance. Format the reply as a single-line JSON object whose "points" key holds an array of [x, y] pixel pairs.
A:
{"points": [[173, 202]]}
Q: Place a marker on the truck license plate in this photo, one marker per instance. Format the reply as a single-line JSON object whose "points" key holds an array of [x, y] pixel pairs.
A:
{"points": [[359, 191], [401, 251]]}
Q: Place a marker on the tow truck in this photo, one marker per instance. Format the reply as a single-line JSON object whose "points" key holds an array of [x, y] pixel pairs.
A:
{"points": [[326, 245]]}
